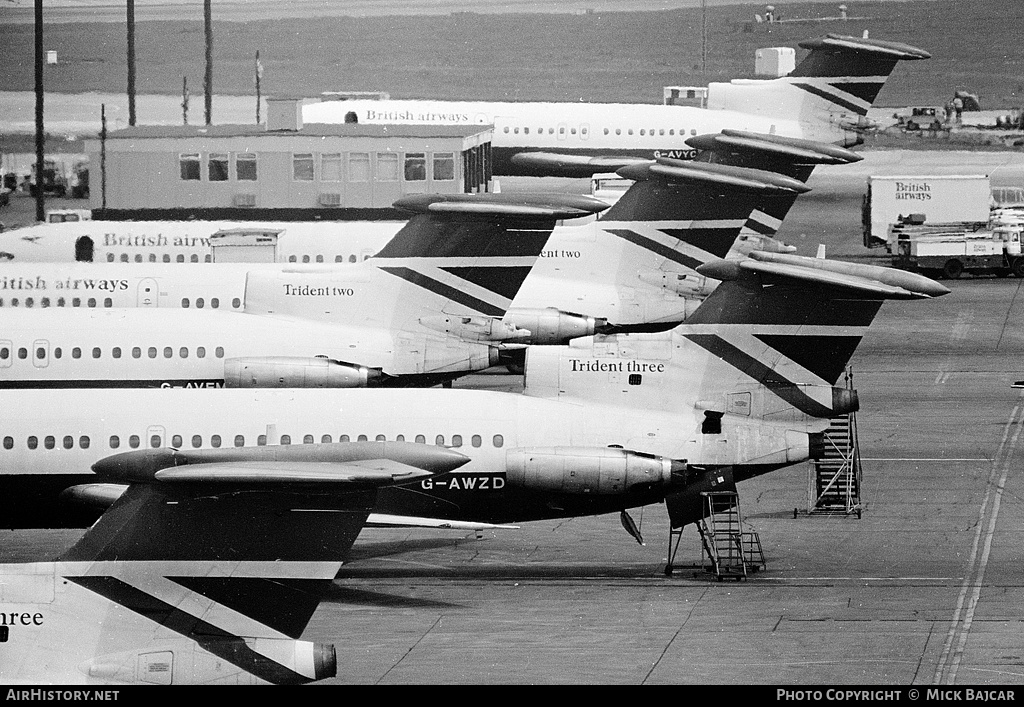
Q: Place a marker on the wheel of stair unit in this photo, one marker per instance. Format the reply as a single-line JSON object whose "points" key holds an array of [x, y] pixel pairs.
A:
{"points": [[1018, 267], [953, 269]]}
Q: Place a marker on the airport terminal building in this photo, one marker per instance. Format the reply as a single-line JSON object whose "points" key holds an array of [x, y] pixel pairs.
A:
{"points": [[282, 170]]}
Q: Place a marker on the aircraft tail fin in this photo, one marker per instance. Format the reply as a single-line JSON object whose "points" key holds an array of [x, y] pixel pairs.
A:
{"points": [[207, 569], [828, 93], [689, 212], [793, 157], [476, 249]]}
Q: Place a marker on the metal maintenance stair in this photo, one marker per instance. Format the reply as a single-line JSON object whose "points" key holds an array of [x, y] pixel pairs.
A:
{"points": [[728, 549], [834, 479]]}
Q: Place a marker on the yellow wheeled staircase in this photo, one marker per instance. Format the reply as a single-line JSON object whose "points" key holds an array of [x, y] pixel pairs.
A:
{"points": [[728, 549], [834, 479]]}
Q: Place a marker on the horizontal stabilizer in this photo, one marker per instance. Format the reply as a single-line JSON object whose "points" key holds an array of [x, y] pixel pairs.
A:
{"points": [[368, 472], [384, 520], [878, 47], [524, 206], [95, 495], [724, 176], [559, 165], [870, 281], [775, 147]]}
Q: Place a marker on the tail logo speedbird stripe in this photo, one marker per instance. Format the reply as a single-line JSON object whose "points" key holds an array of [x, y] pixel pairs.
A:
{"points": [[486, 284], [771, 379], [763, 223], [230, 648], [451, 292], [848, 101], [666, 241]]}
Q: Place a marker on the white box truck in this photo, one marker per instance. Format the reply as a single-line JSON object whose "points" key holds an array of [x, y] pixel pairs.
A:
{"points": [[930, 199]]}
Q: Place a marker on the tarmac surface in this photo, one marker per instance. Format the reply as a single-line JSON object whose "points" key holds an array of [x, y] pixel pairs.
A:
{"points": [[926, 587]]}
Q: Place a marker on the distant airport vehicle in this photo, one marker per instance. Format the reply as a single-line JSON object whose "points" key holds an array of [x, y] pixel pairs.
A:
{"points": [[996, 251], [826, 98], [206, 573], [892, 200], [746, 387]]}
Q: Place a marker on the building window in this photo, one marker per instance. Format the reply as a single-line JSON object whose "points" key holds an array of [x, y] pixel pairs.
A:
{"points": [[330, 167], [444, 166], [189, 164], [415, 167], [245, 167], [359, 167], [302, 167], [387, 167], [218, 167]]}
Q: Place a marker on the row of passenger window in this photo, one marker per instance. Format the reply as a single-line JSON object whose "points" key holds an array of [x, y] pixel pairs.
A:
{"points": [[585, 130], [186, 302], [208, 258], [41, 352], [216, 441]]}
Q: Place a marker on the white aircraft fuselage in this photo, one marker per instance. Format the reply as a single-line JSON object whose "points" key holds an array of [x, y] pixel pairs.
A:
{"points": [[50, 438]]}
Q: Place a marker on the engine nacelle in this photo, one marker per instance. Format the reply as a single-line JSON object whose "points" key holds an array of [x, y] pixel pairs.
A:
{"points": [[552, 326], [489, 329], [297, 372], [588, 470], [271, 660]]}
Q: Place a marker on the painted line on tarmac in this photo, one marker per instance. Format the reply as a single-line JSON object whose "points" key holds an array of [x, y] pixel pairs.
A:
{"points": [[925, 459], [970, 591]]}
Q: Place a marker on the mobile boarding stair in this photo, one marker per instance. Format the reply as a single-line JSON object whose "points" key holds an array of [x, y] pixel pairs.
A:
{"points": [[728, 549], [834, 479]]}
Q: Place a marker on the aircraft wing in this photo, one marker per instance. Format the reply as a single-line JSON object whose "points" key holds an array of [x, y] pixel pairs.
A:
{"points": [[385, 520]]}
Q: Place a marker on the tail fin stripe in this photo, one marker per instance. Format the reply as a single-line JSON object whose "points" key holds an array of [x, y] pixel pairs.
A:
{"points": [[231, 649], [826, 356], [446, 291], [655, 247], [866, 91], [760, 228], [820, 93], [785, 389], [497, 286]]}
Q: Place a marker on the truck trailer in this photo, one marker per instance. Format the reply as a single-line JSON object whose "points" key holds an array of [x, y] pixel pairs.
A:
{"points": [[932, 199]]}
